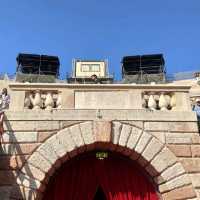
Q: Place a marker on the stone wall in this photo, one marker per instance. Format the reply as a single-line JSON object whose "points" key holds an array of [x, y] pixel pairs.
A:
{"points": [[35, 144], [156, 129], [98, 96]]}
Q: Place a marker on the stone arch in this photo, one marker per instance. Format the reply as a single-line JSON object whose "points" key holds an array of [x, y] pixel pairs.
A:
{"points": [[132, 141]]}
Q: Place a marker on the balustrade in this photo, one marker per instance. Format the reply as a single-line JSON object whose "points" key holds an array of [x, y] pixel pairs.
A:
{"points": [[159, 101], [111, 96], [59, 101], [38, 99]]}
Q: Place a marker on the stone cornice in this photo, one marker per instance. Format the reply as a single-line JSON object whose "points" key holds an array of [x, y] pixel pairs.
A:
{"points": [[84, 115], [56, 86]]}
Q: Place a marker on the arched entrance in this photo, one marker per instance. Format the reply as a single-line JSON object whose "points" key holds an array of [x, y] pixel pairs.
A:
{"points": [[92, 177]]}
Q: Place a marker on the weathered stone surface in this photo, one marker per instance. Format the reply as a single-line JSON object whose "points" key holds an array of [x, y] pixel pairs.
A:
{"points": [[18, 149], [175, 183], [76, 135], [14, 137], [66, 140], [195, 180], [171, 172], [195, 150], [191, 165], [33, 172], [134, 137], [185, 192], [47, 125], [137, 124], [179, 138], [116, 130], [59, 148], [40, 162], [198, 193], [73, 115], [17, 103], [176, 126], [47, 151], [184, 127], [196, 139], [87, 132], [31, 125], [5, 192], [143, 141], [103, 99], [65, 124], [153, 147], [102, 131], [67, 100], [118, 115], [159, 135], [182, 101], [164, 159], [43, 135], [181, 150], [124, 135], [171, 126], [156, 126], [28, 182]]}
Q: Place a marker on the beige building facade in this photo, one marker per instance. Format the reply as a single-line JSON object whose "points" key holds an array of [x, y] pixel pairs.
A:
{"points": [[47, 125]]}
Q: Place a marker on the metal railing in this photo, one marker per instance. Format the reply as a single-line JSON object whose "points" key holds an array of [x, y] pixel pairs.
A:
{"points": [[169, 77]]}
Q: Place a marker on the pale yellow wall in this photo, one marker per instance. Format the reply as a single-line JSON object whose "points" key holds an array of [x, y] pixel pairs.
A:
{"points": [[195, 87], [80, 73], [107, 99]]}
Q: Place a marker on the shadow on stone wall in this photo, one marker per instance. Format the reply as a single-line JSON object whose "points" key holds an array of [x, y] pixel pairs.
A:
{"points": [[12, 160]]}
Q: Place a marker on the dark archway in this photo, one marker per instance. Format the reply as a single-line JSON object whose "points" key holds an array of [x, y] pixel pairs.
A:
{"points": [[88, 177], [99, 195]]}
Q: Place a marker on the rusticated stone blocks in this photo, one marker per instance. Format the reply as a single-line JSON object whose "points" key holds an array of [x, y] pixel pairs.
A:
{"points": [[168, 152], [186, 192]]}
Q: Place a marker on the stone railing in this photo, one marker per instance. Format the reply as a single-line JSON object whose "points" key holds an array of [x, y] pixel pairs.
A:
{"points": [[98, 96], [159, 100], [39, 99]]}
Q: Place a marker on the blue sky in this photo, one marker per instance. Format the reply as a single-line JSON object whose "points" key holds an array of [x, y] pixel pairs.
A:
{"points": [[101, 29]]}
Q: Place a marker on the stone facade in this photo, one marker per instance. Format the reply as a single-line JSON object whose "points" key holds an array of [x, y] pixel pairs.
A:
{"points": [[165, 143]]}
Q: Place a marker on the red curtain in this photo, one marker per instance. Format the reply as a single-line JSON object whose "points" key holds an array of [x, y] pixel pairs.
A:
{"points": [[119, 178]]}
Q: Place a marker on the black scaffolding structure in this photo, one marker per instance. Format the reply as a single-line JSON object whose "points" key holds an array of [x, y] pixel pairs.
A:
{"points": [[37, 68], [143, 69]]}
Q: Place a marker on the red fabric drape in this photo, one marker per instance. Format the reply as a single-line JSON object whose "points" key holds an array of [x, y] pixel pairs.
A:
{"points": [[120, 179]]}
